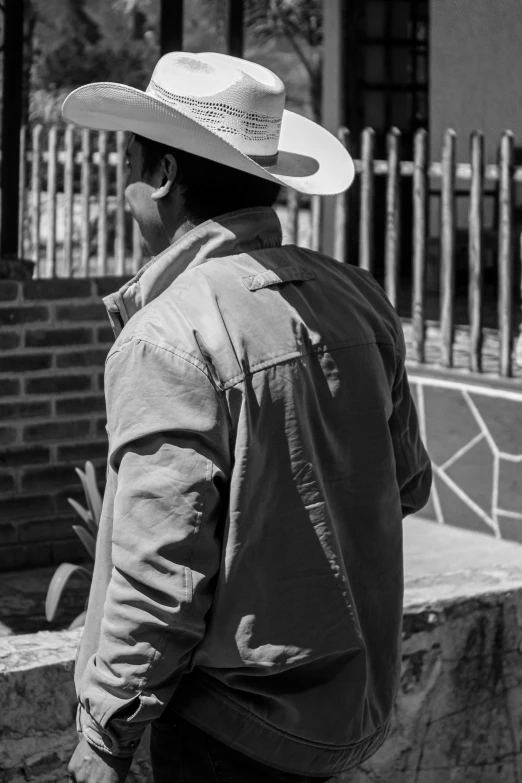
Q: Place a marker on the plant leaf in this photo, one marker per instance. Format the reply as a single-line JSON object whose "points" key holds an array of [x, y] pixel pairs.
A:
{"points": [[57, 585], [86, 538], [83, 479], [85, 515], [94, 493], [78, 621]]}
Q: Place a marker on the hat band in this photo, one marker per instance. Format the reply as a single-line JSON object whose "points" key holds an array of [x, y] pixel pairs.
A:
{"points": [[264, 160]]}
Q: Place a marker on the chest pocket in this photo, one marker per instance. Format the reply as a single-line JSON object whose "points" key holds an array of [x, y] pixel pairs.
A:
{"points": [[286, 274]]}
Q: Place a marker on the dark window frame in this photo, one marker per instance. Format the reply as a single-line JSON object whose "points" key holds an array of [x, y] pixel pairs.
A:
{"points": [[417, 45]]}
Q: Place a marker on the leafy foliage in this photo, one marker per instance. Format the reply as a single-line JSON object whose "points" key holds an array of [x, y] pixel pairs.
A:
{"points": [[80, 41], [75, 42], [87, 533], [300, 22]]}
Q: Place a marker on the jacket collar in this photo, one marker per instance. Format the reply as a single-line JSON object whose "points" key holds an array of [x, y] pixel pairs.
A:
{"points": [[226, 235]]}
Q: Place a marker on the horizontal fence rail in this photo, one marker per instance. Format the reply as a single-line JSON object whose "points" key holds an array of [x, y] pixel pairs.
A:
{"points": [[456, 287]]}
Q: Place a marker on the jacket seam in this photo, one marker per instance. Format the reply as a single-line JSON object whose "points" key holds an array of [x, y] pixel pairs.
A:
{"points": [[158, 653], [197, 363], [240, 709], [281, 358], [208, 476]]}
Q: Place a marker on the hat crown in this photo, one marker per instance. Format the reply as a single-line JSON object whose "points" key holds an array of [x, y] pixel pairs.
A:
{"points": [[241, 101]]}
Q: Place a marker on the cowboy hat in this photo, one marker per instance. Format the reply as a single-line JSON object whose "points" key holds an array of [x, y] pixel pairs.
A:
{"points": [[224, 109]]}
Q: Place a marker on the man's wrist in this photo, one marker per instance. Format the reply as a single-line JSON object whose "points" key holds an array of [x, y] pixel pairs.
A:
{"points": [[111, 759], [103, 739]]}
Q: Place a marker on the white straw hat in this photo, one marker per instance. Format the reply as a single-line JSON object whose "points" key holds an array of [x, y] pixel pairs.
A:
{"points": [[223, 109]]}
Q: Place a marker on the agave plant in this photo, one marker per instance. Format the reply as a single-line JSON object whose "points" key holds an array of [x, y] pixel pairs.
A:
{"points": [[87, 533]]}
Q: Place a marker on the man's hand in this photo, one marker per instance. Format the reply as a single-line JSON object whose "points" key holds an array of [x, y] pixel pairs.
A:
{"points": [[88, 765]]}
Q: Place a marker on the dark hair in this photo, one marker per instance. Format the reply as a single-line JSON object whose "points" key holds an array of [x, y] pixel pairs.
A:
{"points": [[211, 188]]}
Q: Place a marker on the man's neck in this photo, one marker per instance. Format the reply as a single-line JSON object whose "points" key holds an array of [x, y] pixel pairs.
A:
{"points": [[187, 225]]}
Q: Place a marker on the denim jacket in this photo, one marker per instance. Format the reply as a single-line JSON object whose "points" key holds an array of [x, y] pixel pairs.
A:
{"points": [[263, 451]]}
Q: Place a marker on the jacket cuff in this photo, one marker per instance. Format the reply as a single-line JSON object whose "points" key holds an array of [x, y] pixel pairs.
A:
{"points": [[115, 740]]}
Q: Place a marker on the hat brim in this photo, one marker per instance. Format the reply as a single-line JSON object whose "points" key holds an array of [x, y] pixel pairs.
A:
{"points": [[310, 159]]}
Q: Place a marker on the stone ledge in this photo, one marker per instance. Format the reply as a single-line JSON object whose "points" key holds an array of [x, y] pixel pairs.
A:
{"points": [[37, 650], [434, 593], [458, 716], [37, 719], [38, 705]]}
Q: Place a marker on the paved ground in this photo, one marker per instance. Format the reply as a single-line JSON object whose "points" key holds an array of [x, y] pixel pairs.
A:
{"points": [[441, 562]]}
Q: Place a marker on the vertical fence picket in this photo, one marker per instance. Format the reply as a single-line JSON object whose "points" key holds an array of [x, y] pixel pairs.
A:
{"points": [[120, 203], [315, 222], [137, 250], [366, 210], [35, 197], [22, 190], [85, 201], [103, 189], [341, 210], [51, 201], [292, 206], [420, 189], [393, 204], [505, 254], [448, 232], [68, 187], [475, 292]]}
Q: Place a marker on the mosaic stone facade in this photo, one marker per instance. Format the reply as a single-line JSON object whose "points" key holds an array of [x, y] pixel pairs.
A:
{"points": [[473, 434]]}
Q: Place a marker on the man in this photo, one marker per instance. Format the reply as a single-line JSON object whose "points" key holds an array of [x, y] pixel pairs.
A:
{"points": [[263, 451]]}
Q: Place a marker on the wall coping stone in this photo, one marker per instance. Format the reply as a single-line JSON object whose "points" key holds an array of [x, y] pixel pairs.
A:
{"points": [[42, 649]]}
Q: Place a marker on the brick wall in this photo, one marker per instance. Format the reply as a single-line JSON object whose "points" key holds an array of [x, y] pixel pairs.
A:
{"points": [[54, 337]]}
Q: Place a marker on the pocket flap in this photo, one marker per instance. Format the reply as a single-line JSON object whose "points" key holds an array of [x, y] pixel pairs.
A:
{"points": [[286, 274]]}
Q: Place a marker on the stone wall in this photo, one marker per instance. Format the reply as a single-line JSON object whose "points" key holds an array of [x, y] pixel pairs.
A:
{"points": [[37, 719], [459, 713], [458, 716], [54, 337]]}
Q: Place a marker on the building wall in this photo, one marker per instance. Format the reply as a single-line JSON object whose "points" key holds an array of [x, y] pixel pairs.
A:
{"points": [[54, 338], [475, 74]]}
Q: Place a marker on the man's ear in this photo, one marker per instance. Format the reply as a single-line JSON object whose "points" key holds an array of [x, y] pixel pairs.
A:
{"points": [[169, 172]]}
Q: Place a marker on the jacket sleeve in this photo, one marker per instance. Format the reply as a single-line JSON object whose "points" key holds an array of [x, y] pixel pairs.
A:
{"points": [[412, 463], [168, 450]]}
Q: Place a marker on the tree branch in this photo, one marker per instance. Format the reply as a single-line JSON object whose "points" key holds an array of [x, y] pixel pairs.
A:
{"points": [[299, 52]]}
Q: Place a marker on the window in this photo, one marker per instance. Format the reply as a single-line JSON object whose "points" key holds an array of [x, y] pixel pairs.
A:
{"points": [[394, 87]]}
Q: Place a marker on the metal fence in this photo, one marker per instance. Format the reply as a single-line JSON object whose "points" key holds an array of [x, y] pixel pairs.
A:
{"points": [[74, 222]]}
